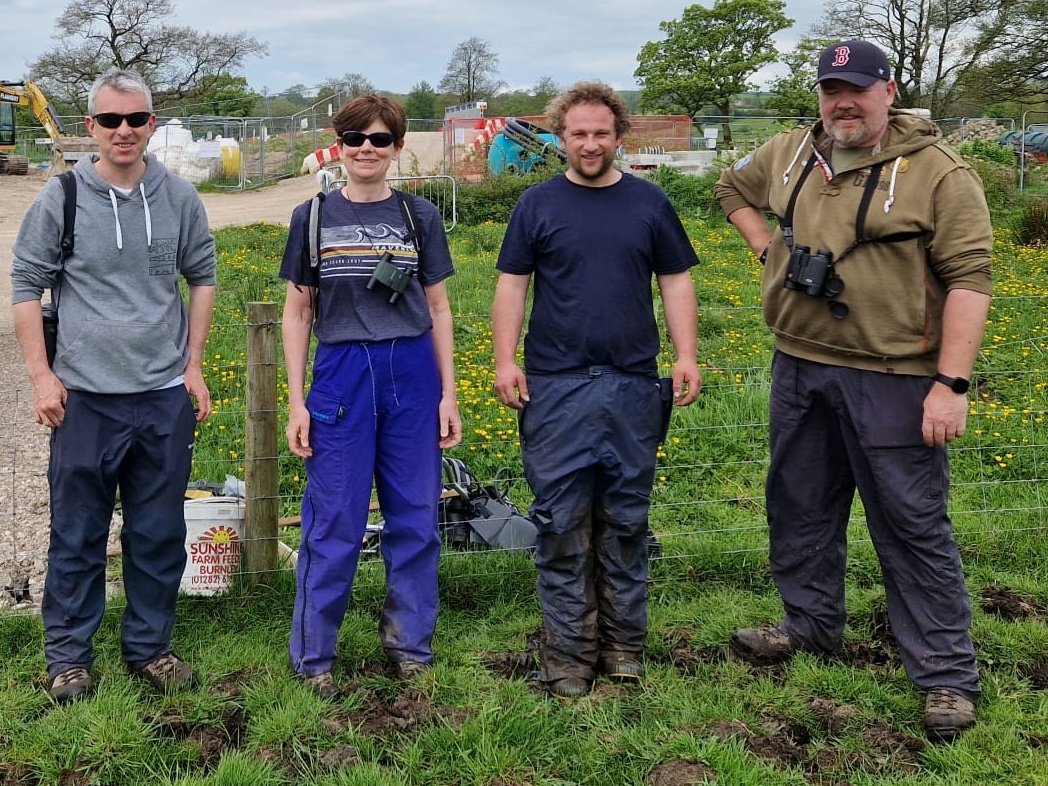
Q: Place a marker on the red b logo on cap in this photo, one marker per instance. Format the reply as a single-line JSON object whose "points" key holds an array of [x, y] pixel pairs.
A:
{"points": [[840, 56]]}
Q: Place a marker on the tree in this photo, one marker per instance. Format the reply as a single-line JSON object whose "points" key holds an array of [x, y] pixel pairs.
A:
{"points": [[224, 96], [792, 96], [941, 48], [421, 103], [175, 61], [708, 55], [546, 89], [347, 87], [471, 71]]}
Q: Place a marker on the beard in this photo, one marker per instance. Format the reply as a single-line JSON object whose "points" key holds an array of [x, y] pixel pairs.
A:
{"points": [[577, 163], [860, 135]]}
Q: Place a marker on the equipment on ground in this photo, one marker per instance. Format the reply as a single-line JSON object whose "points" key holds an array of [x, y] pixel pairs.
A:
{"points": [[64, 148]]}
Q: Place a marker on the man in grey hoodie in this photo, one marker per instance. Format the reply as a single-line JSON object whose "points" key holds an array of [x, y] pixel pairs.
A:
{"points": [[119, 396]]}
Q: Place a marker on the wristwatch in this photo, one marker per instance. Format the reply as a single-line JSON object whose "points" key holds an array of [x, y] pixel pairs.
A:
{"points": [[956, 384]]}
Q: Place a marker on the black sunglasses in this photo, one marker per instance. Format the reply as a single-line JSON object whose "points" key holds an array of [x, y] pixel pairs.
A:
{"points": [[114, 119], [357, 138]]}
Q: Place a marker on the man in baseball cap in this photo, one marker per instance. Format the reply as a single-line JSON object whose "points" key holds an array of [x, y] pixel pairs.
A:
{"points": [[871, 375], [857, 62]]}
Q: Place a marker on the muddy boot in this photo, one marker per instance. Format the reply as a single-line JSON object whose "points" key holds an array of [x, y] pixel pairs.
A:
{"points": [[323, 685], [947, 713], [621, 667], [72, 684], [168, 673], [569, 687], [763, 646]]}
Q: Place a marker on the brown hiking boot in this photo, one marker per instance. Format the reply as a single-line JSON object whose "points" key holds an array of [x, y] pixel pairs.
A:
{"points": [[168, 673], [947, 713], [763, 646], [72, 684], [323, 685]]}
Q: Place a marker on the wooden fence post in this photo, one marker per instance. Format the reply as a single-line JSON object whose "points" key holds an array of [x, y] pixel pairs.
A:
{"points": [[258, 560]]}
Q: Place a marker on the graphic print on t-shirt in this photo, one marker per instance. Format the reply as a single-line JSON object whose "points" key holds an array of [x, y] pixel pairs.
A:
{"points": [[355, 249]]}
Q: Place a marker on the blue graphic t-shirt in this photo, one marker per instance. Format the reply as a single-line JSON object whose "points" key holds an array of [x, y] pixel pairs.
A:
{"points": [[353, 237]]}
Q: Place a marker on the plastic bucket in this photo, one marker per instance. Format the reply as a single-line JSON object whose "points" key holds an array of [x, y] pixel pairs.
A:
{"points": [[214, 534]]}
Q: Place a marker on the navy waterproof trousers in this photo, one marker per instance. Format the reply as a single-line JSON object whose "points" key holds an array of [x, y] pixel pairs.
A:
{"points": [[589, 441], [833, 430], [373, 415], [141, 444]]}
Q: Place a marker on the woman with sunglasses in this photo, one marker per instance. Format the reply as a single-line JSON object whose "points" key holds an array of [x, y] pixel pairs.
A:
{"points": [[382, 401]]}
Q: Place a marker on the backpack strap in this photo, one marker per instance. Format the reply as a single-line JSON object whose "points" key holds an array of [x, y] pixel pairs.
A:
{"points": [[68, 181], [407, 210], [313, 230]]}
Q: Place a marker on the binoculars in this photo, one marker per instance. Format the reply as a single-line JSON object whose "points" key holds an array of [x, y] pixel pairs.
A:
{"points": [[389, 275]]}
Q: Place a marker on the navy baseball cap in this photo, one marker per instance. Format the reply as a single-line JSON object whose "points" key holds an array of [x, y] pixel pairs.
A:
{"points": [[858, 62]]}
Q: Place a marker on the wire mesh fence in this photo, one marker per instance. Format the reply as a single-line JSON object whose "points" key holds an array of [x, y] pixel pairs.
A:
{"points": [[708, 499]]}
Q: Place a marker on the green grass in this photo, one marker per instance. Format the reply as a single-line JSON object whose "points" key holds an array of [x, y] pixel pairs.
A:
{"points": [[473, 719]]}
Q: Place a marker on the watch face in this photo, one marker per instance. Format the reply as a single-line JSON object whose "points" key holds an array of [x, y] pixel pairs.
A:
{"points": [[956, 384]]}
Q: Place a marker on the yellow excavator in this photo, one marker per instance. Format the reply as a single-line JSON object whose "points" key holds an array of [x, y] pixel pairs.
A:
{"points": [[65, 148]]}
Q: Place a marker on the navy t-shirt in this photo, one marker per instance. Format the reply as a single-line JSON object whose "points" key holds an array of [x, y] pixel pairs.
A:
{"points": [[592, 253], [353, 236]]}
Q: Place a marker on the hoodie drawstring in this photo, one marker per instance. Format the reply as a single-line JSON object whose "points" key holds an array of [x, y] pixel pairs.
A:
{"points": [[116, 220], [891, 186], [149, 218], [786, 173]]}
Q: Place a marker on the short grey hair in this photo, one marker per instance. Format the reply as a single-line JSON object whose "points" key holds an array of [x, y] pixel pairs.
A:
{"points": [[122, 80]]}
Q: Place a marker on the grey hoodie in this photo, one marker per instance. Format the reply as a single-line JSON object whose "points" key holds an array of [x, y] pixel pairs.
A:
{"points": [[123, 326]]}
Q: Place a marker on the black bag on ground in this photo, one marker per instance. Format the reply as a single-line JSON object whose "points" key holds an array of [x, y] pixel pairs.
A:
{"points": [[480, 516]]}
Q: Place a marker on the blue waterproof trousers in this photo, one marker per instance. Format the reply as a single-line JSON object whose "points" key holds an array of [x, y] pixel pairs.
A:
{"points": [[141, 444], [833, 430], [589, 441], [374, 415]]}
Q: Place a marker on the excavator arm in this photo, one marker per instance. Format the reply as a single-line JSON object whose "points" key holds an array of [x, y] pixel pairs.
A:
{"points": [[28, 94]]}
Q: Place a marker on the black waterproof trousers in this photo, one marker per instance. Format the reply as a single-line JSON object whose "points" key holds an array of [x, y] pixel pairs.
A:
{"points": [[589, 441], [835, 429]]}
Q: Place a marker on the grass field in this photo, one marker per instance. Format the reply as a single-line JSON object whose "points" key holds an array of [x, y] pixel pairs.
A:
{"points": [[700, 716]]}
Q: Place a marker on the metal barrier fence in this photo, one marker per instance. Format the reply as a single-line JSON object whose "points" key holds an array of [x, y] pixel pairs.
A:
{"points": [[244, 153]]}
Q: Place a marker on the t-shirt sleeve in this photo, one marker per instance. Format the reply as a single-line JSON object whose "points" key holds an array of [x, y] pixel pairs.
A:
{"points": [[516, 255], [295, 266], [673, 250], [435, 263]]}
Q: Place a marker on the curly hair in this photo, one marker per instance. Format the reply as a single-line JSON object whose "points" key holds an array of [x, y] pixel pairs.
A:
{"points": [[588, 93], [360, 112]]}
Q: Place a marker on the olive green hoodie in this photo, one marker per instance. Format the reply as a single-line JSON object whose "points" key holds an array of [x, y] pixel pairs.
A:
{"points": [[894, 291]]}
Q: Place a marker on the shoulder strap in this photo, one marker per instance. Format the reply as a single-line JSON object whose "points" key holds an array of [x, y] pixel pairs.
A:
{"points": [[407, 210], [68, 181], [860, 218], [313, 230], [786, 222]]}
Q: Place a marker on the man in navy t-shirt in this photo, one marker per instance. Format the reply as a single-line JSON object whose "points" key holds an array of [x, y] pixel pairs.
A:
{"points": [[591, 405]]}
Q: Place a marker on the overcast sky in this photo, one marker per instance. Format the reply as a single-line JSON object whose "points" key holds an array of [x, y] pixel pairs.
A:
{"points": [[398, 43]]}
